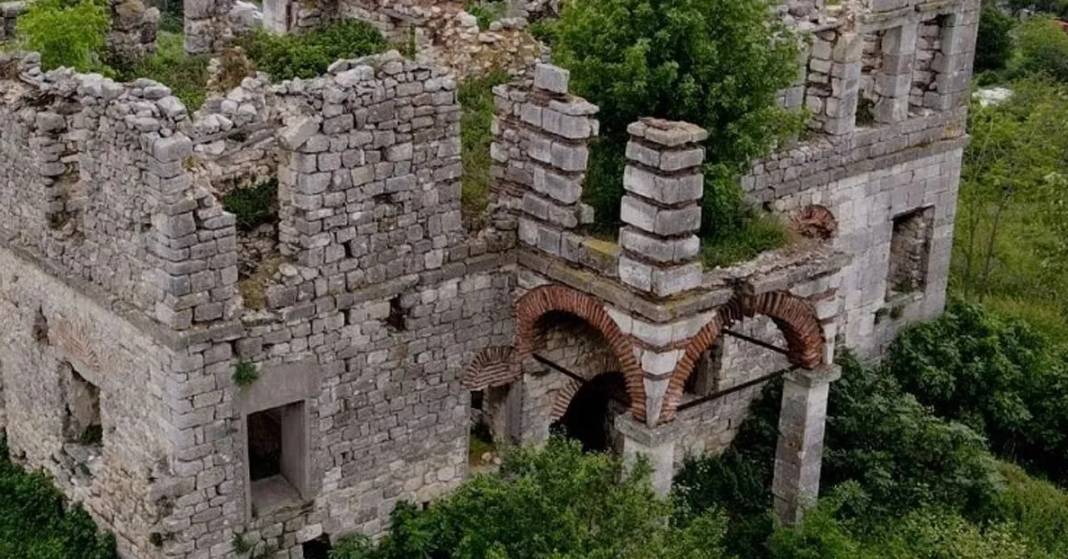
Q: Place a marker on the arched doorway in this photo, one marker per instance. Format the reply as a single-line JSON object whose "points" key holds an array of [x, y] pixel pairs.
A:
{"points": [[591, 415]]}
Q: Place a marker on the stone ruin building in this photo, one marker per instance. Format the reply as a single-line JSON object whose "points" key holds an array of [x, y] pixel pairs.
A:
{"points": [[370, 326]]}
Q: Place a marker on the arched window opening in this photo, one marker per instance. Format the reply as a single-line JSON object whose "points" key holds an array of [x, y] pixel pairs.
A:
{"points": [[591, 415]]}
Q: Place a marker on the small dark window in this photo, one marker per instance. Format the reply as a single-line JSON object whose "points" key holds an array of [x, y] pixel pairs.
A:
{"points": [[265, 444], [397, 318], [319, 548]]}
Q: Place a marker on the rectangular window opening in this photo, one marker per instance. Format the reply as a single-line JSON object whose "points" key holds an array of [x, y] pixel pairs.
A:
{"points": [[910, 248], [397, 319], [871, 66], [255, 208], [277, 461]]}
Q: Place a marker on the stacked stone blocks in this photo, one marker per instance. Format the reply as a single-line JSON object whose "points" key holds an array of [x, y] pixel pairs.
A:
{"points": [[661, 209]]}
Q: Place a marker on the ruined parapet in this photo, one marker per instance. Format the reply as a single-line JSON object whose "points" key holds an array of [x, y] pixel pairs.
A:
{"points": [[132, 35], [540, 153], [661, 209]]}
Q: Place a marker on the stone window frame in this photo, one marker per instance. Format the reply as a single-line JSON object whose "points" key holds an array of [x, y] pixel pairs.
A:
{"points": [[942, 100], [894, 75], [927, 214], [280, 386]]}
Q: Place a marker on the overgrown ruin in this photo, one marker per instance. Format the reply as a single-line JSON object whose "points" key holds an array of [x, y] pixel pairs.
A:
{"points": [[365, 319]]}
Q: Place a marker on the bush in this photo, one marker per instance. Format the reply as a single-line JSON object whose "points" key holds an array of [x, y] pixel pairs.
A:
{"points": [[37, 522], [994, 48], [1043, 47], [998, 376], [476, 102], [308, 55], [1036, 509], [253, 206], [70, 34], [486, 11], [186, 75], [556, 502], [716, 63]]}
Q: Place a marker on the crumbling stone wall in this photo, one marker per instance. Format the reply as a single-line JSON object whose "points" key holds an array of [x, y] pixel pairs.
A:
{"points": [[9, 13]]}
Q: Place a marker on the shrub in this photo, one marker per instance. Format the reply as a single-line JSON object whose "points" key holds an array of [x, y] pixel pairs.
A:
{"points": [[486, 11], [1036, 509], [476, 102], [66, 33], [994, 48], [253, 206], [556, 502], [37, 522], [999, 376], [716, 63], [245, 374], [1043, 47], [170, 65], [308, 55]]}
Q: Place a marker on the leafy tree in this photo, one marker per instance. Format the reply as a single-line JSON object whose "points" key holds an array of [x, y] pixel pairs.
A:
{"points": [[37, 522], [1000, 377], [66, 33], [1057, 7], [716, 63], [994, 48], [1043, 46], [553, 503]]}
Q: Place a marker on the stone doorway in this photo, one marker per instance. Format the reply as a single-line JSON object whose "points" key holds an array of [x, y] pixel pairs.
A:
{"points": [[591, 416]]}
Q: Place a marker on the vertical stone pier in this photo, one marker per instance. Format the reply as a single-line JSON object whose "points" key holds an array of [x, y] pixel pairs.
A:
{"points": [[655, 444], [799, 454], [661, 209]]}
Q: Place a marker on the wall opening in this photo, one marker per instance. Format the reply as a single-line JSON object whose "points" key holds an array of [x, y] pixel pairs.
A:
{"points": [[277, 461], [489, 427], [81, 418], [910, 248], [929, 66], [255, 209], [591, 415], [870, 94], [397, 319], [319, 548]]}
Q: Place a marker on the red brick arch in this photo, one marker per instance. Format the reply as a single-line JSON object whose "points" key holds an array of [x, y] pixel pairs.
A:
{"points": [[794, 316], [556, 298]]}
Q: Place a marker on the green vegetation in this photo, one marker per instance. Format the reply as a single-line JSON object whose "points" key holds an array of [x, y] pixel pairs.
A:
{"points": [[1043, 45], [186, 75], [555, 502], [307, 55], [1000, 377], [245, 374], [1010, 250], [476, 101], [37, 522], [486, 11], [66, 33], [994, 48], [253, 206], [716, 63]]}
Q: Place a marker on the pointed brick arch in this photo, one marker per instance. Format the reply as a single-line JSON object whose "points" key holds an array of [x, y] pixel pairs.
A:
{"points": [[794, 316], [556, 298]]}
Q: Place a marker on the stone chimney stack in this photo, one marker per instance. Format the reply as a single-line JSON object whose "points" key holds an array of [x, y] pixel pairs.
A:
{"points": [[661, 209]]}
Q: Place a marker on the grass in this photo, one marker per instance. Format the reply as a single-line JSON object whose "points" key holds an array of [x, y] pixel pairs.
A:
{"points": [[245, 373], [759, 233], [476, 102], [186, 75]]}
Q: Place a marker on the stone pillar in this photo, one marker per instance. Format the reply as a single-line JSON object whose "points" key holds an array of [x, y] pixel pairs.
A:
{"points": [[894, 82], [954, 66], [799, 454], [833, 83], [207, 25], [661, 209], [133, 30], [655, 444], [541, 153]]}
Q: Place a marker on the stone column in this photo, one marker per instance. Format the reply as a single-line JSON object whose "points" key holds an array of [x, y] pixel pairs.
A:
{"points": [[799, 454], [655, 444], [833, 83], [541, 150], [894, 82], [661, 209]]}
